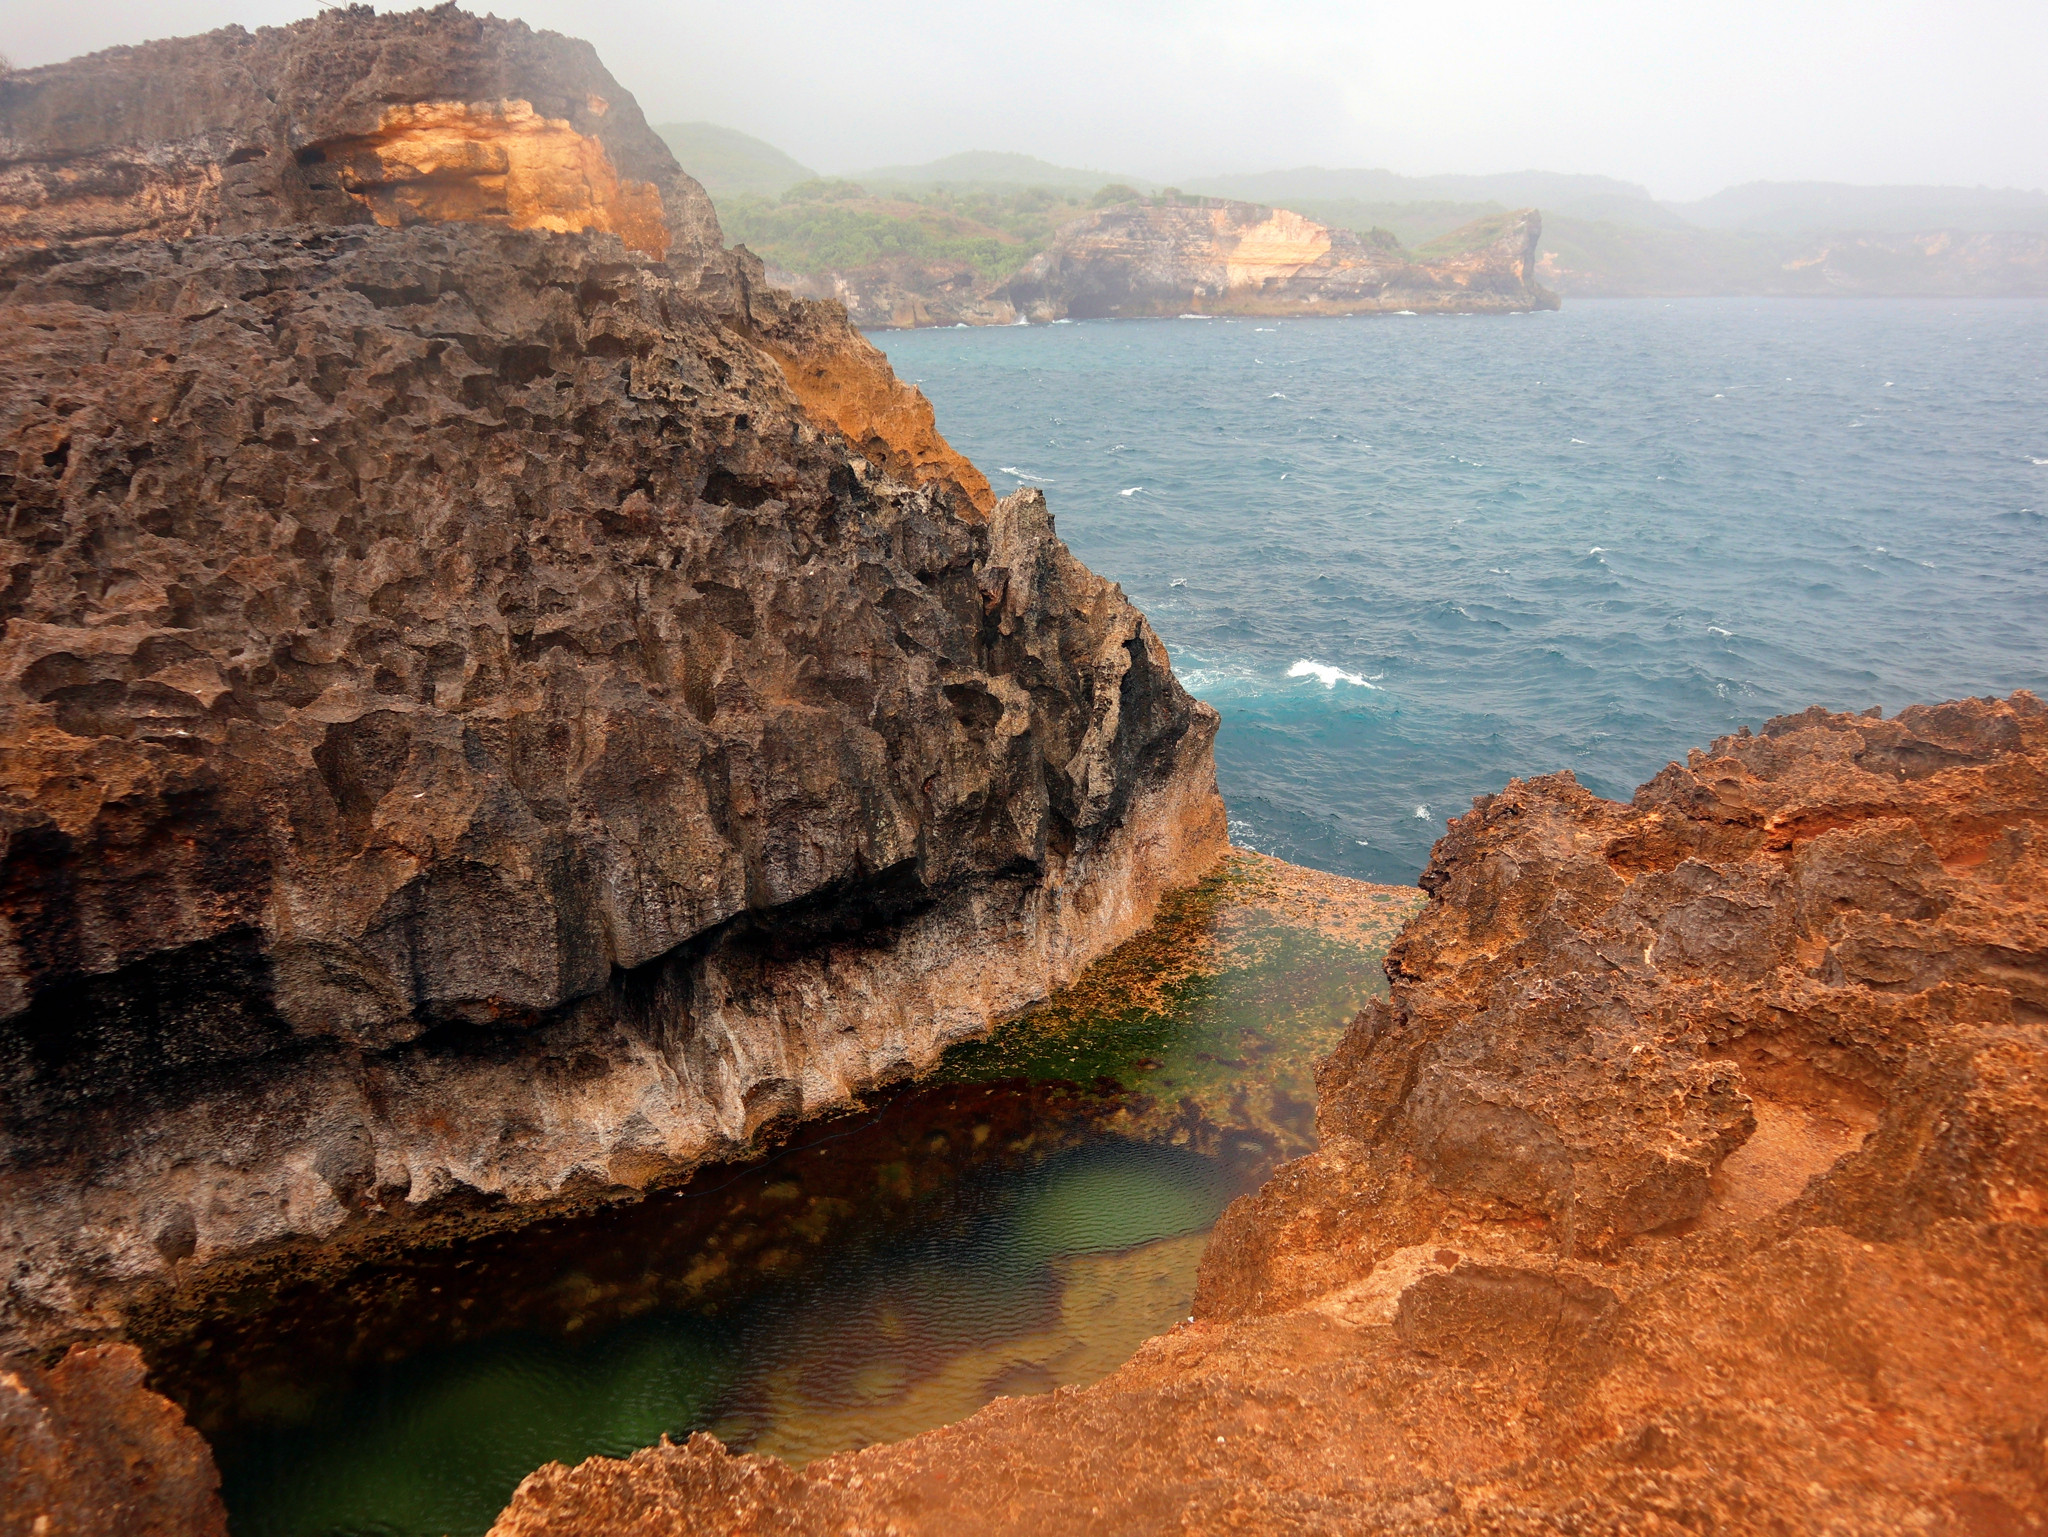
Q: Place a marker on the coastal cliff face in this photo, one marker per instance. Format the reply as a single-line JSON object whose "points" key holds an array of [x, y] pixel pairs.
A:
{"points": [[902, 295], [1211, 258], [1240, 259], [1694, 1177], [501, 705], [406, 119]]}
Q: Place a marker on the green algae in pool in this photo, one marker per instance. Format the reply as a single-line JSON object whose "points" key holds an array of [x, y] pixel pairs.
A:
{"points": [[1020, 1219]]}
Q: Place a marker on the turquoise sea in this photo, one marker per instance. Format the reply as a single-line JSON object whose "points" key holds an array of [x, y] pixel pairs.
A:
{"points": [[1406, 558], [1409, 557]]}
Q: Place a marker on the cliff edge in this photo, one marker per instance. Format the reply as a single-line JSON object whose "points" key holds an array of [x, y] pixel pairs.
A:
{"points": [[1223, 258], [1694, 1177], [1152, 258], [500, 704]]}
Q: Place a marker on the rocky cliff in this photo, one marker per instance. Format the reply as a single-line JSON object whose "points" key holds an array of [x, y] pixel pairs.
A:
{"points": [[1223, 258], [902, 295], [1199, 255], [1693, 1178], [500, 704]]}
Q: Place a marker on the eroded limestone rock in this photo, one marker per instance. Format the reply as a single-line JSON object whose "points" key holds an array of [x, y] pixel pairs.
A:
{"points": [[1693, 1178], [499, 704], [87, 1450], [1227, 258]]}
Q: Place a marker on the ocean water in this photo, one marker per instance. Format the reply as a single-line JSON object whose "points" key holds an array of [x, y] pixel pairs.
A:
{"points": [[1410, 557], [1018, 1220]]}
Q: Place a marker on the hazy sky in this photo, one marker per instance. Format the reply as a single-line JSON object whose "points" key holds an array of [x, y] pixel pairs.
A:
{"points": [[1685, 98]]}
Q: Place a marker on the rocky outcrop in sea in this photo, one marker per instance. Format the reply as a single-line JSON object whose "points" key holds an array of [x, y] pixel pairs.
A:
{"points": [[501, 705], [1201, 256], [1221, 258], [1694, 1177]]}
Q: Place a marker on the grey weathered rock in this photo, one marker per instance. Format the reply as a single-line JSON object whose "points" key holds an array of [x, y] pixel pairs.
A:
{"points": [[477, 732]]}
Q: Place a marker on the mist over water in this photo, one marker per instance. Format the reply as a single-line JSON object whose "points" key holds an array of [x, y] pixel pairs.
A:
{"points": [[1410, 557]]}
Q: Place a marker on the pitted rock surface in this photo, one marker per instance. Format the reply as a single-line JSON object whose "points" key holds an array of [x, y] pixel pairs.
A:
{"points": [[409, 118], [346, 118], [85, 1448], [1693, 1178], [479, 731]]}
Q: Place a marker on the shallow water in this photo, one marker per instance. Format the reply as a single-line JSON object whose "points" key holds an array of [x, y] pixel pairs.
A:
{"points": [[1022, 1218], [1590, 540]]}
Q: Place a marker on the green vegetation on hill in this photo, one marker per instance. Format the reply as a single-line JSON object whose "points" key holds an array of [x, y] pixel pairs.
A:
{"points": [[1408, 225], [836, 225], [729, 162], [990, 213], [987, 171]]}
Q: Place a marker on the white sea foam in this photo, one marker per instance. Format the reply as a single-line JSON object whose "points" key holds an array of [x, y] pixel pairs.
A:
{"points": [[1404, 312], [1495, 571], [1179, 581], [1330, 677], [1598, 549], [1011, 469], [1422, 812], [1580, 441], [1130, 491], [1192, 316], [1715, 629], [2040, 461], [1276, 395]]}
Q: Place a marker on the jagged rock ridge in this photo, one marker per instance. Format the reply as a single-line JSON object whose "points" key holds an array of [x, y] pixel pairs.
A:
{"points": [[500, 704], [1694, 1177]]}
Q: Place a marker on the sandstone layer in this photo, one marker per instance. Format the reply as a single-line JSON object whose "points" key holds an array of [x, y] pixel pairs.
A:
{"points": [[1693, 1178], [500, 704], [1240, 259]]}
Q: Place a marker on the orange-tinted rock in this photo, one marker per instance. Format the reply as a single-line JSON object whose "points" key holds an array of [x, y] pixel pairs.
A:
{"points": [[87, 1451], [842, 378], [407, 118], [436, 162], [476, 737], [345, 118], [1694, 1178], [1223, 258]]}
